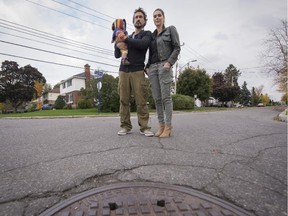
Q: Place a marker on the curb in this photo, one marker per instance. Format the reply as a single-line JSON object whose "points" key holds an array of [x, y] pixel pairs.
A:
{"points": [[282, 116]]}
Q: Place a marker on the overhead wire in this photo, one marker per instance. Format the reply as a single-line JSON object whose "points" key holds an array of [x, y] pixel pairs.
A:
{"points": [[55, 38], [49, 62], [58, 39], [38, 4], [56, 53], [45, 35], [38, 60], [81, 11], [189, 49], [84, 6], [110, 21], [207, 62], [58, 46]]}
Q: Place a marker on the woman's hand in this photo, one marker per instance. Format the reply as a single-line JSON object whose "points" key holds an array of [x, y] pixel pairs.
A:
{"points": [[167, 66], [146, 70]]}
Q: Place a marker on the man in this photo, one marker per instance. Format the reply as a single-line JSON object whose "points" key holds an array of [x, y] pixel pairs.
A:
{"points": [[131, 77]]}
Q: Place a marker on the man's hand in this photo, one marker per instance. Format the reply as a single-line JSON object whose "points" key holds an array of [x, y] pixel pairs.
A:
{"points": [[121, 45]]}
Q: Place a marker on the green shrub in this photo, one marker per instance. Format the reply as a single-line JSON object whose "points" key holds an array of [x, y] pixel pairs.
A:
{"points": [[182, 102], [31, 107], [60, 102], [84, 104]]}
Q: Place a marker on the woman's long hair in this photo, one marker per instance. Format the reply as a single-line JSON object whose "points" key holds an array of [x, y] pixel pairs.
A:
{"points": [[163, 14]]}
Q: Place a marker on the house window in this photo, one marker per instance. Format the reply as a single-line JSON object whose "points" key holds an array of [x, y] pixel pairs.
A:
{"points": [[63, 85], [70, 98], [69, 82]]}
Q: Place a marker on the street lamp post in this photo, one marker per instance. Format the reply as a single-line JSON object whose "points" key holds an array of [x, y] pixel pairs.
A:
{"points": [[176, 73], [98, 75]]}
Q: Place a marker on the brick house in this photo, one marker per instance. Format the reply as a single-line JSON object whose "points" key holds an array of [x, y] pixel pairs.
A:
{"points": [[70, 88]]}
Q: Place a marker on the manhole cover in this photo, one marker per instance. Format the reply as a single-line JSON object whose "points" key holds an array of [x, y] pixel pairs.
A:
{"points": [[145, 199]]}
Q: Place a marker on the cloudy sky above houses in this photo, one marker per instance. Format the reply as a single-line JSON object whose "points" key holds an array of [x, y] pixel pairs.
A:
{"points": [[59, 37]]}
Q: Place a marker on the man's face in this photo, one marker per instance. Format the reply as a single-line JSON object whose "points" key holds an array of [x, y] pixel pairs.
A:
{"points": [[139, 21]]}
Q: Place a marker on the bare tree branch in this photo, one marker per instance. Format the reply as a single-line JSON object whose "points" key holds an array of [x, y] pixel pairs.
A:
{"points": [[275, 55]]}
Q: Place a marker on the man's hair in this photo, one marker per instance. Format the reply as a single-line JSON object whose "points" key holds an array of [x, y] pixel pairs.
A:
{"points": [[141, 10]]}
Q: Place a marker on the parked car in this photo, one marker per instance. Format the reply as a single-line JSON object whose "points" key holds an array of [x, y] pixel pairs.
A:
{"points": [[260, 105], [48, 107]]}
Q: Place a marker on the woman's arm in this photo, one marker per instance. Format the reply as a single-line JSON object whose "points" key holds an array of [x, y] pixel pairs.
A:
{"points": [[175, 44]]}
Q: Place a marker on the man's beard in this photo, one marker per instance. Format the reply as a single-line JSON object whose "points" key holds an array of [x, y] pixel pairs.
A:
{"points": [[139, 25]]}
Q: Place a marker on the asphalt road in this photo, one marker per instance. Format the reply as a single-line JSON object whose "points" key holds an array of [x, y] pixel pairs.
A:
{"points": [[237, 155]]}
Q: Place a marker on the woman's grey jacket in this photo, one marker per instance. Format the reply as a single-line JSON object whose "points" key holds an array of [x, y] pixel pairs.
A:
{"points": [[168, 45]]}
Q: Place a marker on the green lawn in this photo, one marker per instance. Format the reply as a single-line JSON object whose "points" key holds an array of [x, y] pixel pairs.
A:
{"points": [[57, 113], [88, 112]]}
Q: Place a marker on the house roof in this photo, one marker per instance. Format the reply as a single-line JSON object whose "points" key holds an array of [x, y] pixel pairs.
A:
{"points": [[55, 90], [79, 76]]}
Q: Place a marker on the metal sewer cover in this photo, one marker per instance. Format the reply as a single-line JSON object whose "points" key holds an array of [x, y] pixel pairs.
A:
{"points": [[147, 199]]}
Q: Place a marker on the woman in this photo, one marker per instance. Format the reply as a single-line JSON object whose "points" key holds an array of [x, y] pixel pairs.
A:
{"points": [[163, 53]]}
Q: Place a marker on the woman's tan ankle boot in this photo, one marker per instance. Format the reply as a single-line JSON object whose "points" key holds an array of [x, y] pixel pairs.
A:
{"points": [[160, 130], [167, 132]]}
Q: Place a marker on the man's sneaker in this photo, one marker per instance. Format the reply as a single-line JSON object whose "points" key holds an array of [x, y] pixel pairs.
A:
{"points": [[124, 131], [147, 133]]}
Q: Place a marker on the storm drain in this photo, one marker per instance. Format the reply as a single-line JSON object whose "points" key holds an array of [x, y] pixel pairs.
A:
{"points": [[147, 199]]}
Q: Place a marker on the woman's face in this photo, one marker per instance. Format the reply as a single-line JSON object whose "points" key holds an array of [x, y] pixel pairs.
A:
{"points": [[158, 18]]}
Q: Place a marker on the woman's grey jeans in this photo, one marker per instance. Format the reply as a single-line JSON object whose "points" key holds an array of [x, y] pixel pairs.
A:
{"points": [[161, 81]]}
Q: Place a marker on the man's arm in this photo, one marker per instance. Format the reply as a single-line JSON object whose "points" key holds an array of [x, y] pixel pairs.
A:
{"points": [[117, 52], [142, 43]]}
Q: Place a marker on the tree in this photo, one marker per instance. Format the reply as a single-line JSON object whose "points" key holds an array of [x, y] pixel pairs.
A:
{"points": [[46, 88], [245, 95], [109, 101], [259, 91], [284, 98], [39, 89], [17, 84], [255, 99], [218, 80], [274, 55], [218, 86], [265, 99], [231, 75], [194, 82], [225, 87]]}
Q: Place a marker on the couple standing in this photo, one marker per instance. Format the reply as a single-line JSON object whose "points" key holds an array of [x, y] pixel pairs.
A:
{"points": [[164, 48]]}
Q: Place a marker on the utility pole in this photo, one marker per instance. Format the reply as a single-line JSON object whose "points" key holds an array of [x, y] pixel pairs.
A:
{"points": [[176, 76], [176, 70]]}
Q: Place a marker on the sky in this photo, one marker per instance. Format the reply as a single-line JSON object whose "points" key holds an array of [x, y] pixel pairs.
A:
{"points": [[58, 37]]}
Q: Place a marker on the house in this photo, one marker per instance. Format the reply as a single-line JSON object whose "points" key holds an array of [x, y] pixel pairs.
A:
{"points": [[70, 88], [46, 98], [212, 102], [51, 96]]}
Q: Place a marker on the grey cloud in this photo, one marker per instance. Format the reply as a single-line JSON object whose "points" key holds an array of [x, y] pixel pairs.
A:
{"points": [[220, 36]]}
